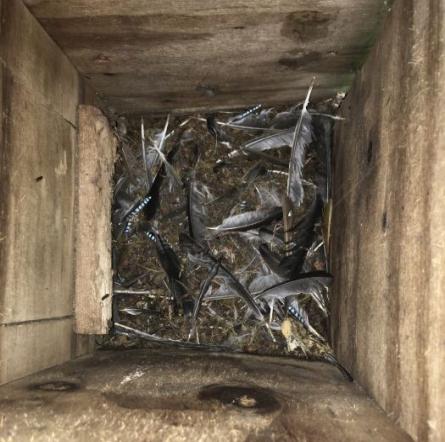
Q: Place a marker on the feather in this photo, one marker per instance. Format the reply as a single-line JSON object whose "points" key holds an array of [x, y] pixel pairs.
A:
{"points": [[241, 118], [204, 257], [273, 261], [286, 119], [151, 209], [271, 237], [130, 331], [250, 120], [259, 282], [172, 267], [330, 357], [300, 314], [169, 169], [248, 220], [148, 178], [288, 220], [198, 195], [309, 283], [302, 137], [274, 141], [204, 289], [268, 196], [290, 265], [303, 232]]}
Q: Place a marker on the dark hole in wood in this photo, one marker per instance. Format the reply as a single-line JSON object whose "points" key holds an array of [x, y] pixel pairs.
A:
{"points": [[384, 221], [369, 153], [109, 74], [239, 27], [39, 178], [105, 296], [257, 399], [59, 386]]}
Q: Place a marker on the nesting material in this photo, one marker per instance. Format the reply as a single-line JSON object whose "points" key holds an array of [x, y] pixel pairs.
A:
{"points": [[214, 245]]}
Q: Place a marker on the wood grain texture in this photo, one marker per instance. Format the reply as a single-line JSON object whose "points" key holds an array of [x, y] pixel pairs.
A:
{"points": [[388, 249], [39, 99], [155, 396], [39, 93], [189, 54], [33, 346], [93, 290]]}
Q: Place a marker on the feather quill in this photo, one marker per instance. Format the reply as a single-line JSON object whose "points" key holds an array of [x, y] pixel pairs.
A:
{"points": [[302, 137], [148, 178]]}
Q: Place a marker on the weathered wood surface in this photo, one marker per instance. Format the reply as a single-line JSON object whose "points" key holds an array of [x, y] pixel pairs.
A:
{"points": [[93, 289], [189, 54], [33, 346], [155, 396], [39, 90], [388, 251]]}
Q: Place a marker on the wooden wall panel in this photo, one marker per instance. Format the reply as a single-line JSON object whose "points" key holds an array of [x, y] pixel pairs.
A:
{"points": [[33, 346], [388, 248], [191, 54], [39, 94]]}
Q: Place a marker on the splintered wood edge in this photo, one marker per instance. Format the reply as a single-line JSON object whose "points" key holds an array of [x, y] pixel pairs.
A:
{"points": [[93, 275]]}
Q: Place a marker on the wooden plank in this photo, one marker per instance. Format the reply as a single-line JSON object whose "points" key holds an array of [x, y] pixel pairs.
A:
{"points": [[37, 62], [163, 395], [38, 206], [388, 237], [93, 288], [39, 93], [33, 346], [189, 54]]}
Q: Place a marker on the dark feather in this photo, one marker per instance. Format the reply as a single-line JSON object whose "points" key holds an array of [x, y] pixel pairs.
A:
{"points": [[248, 220], [302, 137], [329, 357], [196, 211], [204, 288], [172, 267], [204, 257]]}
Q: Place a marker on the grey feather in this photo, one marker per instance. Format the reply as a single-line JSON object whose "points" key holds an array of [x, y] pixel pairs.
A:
{"points": [[248, 220], [312, 284], [302, 137], [259, 282], [274, 141]]}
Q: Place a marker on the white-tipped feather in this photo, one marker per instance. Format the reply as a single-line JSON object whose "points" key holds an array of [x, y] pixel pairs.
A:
{"points": [[302, 137]]}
